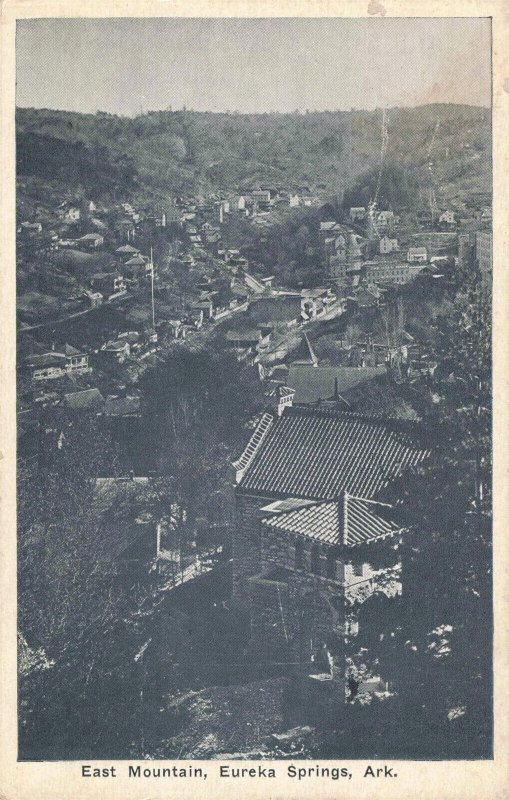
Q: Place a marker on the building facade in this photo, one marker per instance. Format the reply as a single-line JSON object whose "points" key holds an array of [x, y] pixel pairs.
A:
{"points": [[309, 526]]}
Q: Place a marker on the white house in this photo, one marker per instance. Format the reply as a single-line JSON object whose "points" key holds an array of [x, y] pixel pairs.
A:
{"points": [[417, 255], [91, 240], [447, 217], [386, 218], [388, 245], [72, 214]]}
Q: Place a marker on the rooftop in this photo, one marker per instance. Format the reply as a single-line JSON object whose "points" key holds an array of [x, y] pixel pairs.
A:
{"points": [[86, 400], [136, 261], [312, 383], [122, 406], [126, 248], [319, 453], [350, 521]]}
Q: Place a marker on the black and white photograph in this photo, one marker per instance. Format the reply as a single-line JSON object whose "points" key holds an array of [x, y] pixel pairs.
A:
{"points": [[254, 391]]}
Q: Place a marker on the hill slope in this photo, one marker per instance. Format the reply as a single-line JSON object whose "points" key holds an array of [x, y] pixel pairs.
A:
{"points": [[179, 152]]}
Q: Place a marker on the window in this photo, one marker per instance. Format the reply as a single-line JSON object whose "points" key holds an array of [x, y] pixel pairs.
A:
{"points": [[315, 559], [299, 555]]}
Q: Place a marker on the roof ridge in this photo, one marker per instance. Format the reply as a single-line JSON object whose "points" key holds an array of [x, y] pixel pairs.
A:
{"points": [[258, 435]]}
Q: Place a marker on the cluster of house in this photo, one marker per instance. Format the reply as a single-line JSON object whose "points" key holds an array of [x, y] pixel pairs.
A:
{"points": [[345, 255], [272, 320], [259, 201], [311, 521]]}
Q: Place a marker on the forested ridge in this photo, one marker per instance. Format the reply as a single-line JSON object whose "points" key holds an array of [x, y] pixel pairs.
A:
{"points": [[196, 152]]}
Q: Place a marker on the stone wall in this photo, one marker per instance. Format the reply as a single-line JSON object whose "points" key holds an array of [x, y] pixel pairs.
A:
{"points": [[246, 545], [279, 548]]}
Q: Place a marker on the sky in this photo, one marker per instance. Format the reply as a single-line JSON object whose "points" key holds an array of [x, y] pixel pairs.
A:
{"points": [[128, 66]]}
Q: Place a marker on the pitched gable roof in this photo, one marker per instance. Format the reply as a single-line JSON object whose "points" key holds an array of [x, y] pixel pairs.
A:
{"points": [[85, 400], [321, 453], [126, 248], [69, 350], [312, 383], [304, 353]]}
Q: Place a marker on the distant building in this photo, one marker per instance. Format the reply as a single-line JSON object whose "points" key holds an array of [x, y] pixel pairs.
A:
{"points": [[76, 360], [30, 228], [386, 218], [390, 272], [367, 296], [72, 214], [57, 364], [447, 218], [329, 229], [313, 384], [388, 245], [315, 302], [116, 350], [357, 213], [127, 251], [86, 400], [122, 406], [417, 255], [261, 195], [91, 240], [95, 298], [107, 283], [47, 366]]}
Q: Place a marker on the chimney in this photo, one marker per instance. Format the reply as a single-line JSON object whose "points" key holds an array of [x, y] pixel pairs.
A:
{"points": [[284, 401]]}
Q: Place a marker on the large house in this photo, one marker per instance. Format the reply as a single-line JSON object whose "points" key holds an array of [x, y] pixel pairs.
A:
{"points": [[417, 255], [308, 516], [447, 218], [57, 364], [388, 245], [91, 241], [108, 283]]}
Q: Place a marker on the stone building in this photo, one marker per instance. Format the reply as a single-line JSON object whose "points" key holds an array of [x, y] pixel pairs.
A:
{"points": [[310, 528]]}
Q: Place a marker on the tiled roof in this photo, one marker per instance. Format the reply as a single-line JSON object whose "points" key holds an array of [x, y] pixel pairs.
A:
{"points": [[69, 350], [85, 400], [136, 261], [254, 443], [350, 521], [126, 248], [320, 453], [122, 406], [318, 383]]}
